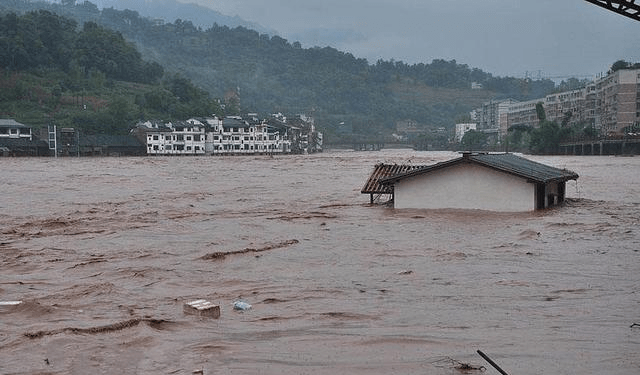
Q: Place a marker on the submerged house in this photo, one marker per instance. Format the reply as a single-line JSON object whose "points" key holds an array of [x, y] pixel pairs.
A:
{"points": [[493, 182]]}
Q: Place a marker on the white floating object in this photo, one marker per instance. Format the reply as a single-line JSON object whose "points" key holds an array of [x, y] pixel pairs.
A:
{"points": [[8, 305], [202, 307], [241, 305]]}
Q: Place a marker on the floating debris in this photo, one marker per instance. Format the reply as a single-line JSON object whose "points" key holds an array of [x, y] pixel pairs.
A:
{"points": [[241, 306], [492, 363], [154, 323], [219, 255], [202, 307], [9, 304]]}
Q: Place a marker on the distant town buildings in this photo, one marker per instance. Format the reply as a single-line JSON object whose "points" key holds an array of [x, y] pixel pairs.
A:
{"points": [[232, 135], [609, 104]]}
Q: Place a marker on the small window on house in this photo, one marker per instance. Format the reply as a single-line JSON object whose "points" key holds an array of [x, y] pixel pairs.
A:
{"points": [[155, 137], [155, 147], [188, 138]]}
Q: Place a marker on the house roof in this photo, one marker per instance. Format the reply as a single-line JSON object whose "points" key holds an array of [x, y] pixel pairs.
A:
{"points": [[512, 164], [382, 171], [11, 123], [105, 140], [234, 123]]}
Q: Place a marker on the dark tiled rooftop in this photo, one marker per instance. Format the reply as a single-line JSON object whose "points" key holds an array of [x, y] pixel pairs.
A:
{"points": [[508, 163], [382, 171]]}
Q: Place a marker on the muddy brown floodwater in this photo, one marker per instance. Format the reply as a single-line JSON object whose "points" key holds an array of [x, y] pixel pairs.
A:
{"points": [[103, 252]]}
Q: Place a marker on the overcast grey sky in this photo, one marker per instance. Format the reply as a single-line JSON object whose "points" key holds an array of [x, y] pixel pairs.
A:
{"points": [[502, 37]]}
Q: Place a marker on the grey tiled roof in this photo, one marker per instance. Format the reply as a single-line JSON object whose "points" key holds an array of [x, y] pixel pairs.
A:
{"points": [[11, 123], [534, 171], [382, 171], [105, 140], [508, 163]]}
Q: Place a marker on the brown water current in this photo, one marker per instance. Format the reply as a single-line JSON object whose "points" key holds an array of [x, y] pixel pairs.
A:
{"points": [[103, 252]]}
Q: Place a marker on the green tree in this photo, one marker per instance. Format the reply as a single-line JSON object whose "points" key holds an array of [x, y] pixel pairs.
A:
{"points": [[547, 137], [121, 116], [542, 115], [474, 140], [618, 65]]}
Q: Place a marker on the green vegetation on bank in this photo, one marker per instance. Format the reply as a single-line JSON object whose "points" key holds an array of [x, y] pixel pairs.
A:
{"points": [[89, 78]]}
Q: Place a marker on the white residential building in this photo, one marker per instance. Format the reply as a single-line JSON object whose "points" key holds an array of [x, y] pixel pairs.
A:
{"points": [[214, 136], [181, 138], [233, 135]]}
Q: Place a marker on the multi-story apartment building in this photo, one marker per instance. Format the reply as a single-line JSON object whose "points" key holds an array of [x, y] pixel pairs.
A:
{"points": [[233, 135], [214, 136], [493, 116], [610, 104], [566, 106], [180, 138], [522, 114], [618, 101]]}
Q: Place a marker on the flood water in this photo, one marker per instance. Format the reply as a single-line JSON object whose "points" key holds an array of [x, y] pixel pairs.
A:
{"points": [[104, 252]]}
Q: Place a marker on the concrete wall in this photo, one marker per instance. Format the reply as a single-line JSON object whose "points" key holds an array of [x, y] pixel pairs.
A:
{"points": [[466, 186]]}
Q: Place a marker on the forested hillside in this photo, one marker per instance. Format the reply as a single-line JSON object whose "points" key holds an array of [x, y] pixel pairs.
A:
{"points": [[90, 78], [270, 74]]}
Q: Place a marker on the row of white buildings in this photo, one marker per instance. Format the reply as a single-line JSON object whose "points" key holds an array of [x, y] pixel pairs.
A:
{"points": [[610, 104], [231, 136]]}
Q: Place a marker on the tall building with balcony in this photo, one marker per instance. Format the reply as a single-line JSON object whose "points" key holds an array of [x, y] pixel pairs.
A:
{"points": [[618, 101]]}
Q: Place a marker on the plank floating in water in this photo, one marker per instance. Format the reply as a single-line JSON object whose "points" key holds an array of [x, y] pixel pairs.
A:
{"points": [[202, 307]]}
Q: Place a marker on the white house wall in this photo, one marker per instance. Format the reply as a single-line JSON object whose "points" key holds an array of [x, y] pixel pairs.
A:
{"points": [[465, 186]]}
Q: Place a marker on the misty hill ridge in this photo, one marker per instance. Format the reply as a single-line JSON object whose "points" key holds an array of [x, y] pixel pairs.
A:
{"points": [[171, 10]]}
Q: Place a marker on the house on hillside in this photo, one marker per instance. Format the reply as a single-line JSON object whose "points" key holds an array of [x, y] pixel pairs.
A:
{"points": [[16, 139], [493, 182]]}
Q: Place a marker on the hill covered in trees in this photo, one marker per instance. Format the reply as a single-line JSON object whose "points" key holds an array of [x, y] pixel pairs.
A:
{"points": [[90, 78], [270, 74]]}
